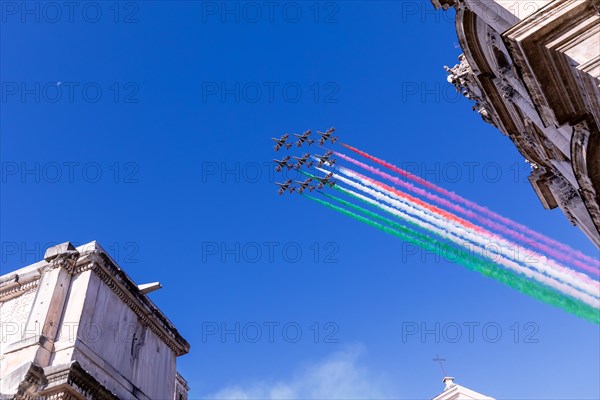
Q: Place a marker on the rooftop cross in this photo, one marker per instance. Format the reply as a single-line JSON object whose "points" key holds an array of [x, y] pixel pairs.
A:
{"points": [[441, 361]]}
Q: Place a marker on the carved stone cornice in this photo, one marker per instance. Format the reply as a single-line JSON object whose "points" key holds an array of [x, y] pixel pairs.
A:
{"points": [[66, 383], [66, 260], [18, 290], [31, 382], [83, 383]]}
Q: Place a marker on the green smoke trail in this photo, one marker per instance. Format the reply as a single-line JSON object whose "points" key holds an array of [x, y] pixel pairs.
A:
{"points": [[370, 213], [486, 268]]}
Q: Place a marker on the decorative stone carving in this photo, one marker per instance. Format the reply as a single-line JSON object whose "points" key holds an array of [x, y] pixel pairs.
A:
{"points": [[66, 260], [508, 92], [463, 79]]}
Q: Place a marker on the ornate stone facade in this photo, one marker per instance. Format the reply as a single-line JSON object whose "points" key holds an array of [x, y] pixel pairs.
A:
{"points": [[75, 326], [533, 70]]}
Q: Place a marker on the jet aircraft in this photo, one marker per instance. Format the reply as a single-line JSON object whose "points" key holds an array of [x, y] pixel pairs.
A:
{"points": [[327, 136], [305, 185], [285, 186], [283, 163], [303, 161], [305, 137], [279, 143], [325, 159], [326, 180]]}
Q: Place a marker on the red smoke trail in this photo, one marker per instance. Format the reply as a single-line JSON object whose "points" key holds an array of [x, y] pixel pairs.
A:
{"points": [[567, 249], [436, 210]]}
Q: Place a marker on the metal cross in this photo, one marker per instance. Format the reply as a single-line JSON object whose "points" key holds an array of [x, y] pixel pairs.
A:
{"points": [[441, 361]]}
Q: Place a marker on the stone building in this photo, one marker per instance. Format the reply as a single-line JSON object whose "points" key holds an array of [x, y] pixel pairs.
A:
{"points": [[533, 70], [75, 326], [452, 391]]}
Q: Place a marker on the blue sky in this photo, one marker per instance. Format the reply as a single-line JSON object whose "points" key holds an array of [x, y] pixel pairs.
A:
{"points": [[157, 143]]}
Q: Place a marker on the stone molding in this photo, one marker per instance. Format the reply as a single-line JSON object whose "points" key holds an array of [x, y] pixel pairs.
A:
{"points": [[67, 382]]}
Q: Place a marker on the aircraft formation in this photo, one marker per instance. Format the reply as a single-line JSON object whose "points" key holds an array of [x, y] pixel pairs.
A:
{"points": [[432, 217], [306, 161]]}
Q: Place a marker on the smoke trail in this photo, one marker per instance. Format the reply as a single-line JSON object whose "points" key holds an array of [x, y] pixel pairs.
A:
{"points": [[414, 200], [470, 214], [551, 242], [392, 223], [485, 221], [523, 285], [443, 229], [548, 266]]}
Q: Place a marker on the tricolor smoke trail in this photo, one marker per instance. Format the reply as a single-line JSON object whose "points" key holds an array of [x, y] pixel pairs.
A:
{"points": [[478, 238], [449, 232], [486, 268], [470, 214], [483, 210], [481, 237]]}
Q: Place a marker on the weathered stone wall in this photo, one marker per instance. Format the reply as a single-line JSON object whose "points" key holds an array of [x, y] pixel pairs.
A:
{"points": [[13, 316], [13, 320], [111, 331]]}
